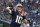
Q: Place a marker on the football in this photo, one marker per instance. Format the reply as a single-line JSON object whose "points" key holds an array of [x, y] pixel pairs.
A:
{"points": [[8, 9]]}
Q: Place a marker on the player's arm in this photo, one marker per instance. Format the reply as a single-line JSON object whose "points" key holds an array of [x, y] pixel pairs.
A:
{"points": [[24, 17], [8, 9]]}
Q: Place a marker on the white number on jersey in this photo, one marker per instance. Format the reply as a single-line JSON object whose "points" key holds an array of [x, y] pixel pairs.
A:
{"points": [[18, 19]]}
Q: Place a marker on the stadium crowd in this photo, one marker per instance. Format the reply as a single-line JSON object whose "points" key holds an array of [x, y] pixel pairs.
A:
{"points": [[30, 7]]}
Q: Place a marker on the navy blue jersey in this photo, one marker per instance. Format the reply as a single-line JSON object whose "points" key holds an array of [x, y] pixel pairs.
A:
{"points": [[16, 17]]}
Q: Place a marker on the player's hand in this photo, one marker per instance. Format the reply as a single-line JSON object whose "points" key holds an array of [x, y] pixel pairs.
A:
{"points": [[8, 9], [25, 21]]}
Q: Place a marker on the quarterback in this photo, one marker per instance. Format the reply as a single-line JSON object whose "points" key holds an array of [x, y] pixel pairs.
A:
{"points": [[17, 16]]}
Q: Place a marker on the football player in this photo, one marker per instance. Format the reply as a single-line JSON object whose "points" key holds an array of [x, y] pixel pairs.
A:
{"points": [[17, 16]]}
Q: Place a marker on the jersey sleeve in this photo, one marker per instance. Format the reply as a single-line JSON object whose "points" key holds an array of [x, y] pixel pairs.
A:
{"points": [[24, 17], [10, 12]]}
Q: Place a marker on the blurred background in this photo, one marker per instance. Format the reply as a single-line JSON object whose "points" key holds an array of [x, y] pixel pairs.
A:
{"points": [[30, 7]]}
